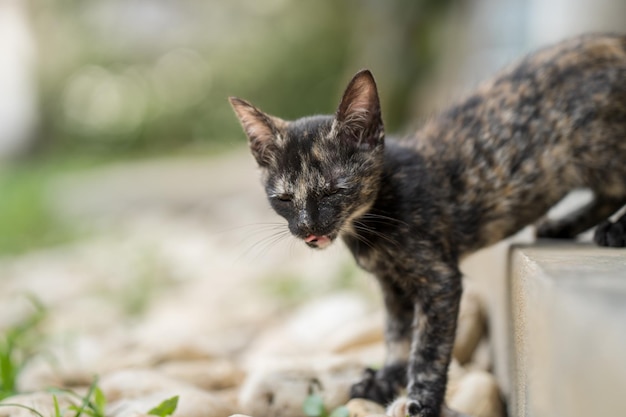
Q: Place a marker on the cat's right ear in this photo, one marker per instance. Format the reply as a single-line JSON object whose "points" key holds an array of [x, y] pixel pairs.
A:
{"points": [[262, 130], [358, 117]]}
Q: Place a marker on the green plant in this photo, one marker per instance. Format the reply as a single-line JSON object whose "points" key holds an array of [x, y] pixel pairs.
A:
{"points": [[313, 406], [31, 409], [18, 345], [27, 219], [93, 404], [166, 408], [17, 348]]}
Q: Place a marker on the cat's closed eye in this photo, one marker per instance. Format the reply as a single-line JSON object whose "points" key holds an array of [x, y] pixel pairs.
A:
{"points": [[331, 191], [286, 198], [339, 187]]}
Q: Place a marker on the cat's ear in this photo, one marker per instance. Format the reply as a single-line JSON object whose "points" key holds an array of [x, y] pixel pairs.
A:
{"points": [[262, 130], [358, 117]]}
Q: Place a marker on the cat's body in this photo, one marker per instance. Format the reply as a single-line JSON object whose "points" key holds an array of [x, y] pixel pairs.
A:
{"points": [[479, 172]]}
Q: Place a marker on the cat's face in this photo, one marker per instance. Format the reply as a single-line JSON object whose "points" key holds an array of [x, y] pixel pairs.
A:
{"points": [[320, 172]]}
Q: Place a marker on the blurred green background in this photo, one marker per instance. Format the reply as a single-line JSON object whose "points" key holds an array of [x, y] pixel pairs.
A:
{"points": [[153, 76], [87, 83]]}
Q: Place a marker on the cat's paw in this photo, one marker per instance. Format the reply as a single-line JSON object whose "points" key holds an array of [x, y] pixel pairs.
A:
{"points": [[397, 408], [375, 388], [405, 407], [611, 234], [553, 229], [402, 407]]}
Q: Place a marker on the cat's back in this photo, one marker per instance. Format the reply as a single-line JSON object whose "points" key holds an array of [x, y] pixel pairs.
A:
{"points": [[562, 102], [555, 87], [565, 60], [564, 80], [551, 122]]}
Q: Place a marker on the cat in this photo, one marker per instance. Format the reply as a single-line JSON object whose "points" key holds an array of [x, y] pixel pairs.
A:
{"points": [[409, 210]]}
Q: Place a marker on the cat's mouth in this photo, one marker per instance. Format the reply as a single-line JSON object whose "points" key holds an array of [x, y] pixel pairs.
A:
{"points": [[318, 242]]}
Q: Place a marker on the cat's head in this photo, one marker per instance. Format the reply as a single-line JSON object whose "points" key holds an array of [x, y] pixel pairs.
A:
{"points": [[320, 172]]}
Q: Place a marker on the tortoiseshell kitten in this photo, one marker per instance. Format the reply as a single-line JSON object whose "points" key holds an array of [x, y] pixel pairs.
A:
{"points": [[479, 172]]}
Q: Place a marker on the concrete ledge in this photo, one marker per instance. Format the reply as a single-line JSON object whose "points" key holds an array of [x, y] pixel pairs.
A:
{"points": [[568, 339]]}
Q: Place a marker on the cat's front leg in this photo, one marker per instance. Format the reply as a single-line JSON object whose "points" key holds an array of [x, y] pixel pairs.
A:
{"points": [[383, 385], [433, 338]]}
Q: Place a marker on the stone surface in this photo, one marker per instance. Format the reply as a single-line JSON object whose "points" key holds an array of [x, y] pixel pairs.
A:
{"points": [[279, 389], [40, 401], [135, 383], [315, 324], [360, 332], [569, 310], [191, 403], [471, 327], [359, 407], [477, 395], [206, 374]]}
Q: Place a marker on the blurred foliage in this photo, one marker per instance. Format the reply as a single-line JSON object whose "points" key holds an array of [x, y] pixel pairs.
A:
{"points": [[26, 220], [18, 345], [313, 406], [289, 289], [152, 277], [151, 76], [128, 78], [136, 75]]}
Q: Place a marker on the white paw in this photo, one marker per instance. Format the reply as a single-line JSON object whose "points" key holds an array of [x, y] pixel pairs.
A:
{"points": [[398, 409]]}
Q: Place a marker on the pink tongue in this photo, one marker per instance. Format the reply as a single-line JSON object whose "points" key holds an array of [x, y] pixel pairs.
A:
{"points": [[319, 240]]}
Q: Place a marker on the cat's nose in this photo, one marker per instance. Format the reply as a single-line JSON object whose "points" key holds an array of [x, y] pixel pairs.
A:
{"points": [[304, 222], [304, 219]]}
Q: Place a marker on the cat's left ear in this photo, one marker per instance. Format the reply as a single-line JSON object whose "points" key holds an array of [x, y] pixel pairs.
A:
{"points": [[358, 117], [262, 130]]}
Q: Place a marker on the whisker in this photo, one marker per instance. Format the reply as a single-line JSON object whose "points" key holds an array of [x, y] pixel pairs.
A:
{"points": [[381, 217], [363, 239], [261, 249], [292, 245], [257, 229], [264, 243], [364, 228], [273, 242], [360, 238], [251, 225]]}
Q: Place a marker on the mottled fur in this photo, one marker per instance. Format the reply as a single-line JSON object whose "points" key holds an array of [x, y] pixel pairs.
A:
{"points": [[479, 172]]}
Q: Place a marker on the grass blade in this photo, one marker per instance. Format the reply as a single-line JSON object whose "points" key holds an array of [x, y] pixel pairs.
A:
{"points": [[57, 411], [313, 406], [166, 408], [32, 410]]}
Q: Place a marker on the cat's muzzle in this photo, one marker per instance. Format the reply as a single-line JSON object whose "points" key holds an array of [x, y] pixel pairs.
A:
{"points": [[318, 242]]}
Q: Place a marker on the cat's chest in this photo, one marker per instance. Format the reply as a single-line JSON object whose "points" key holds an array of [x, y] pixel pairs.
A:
{"points": [[371, 259], [364, 255], [365, 261]]}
